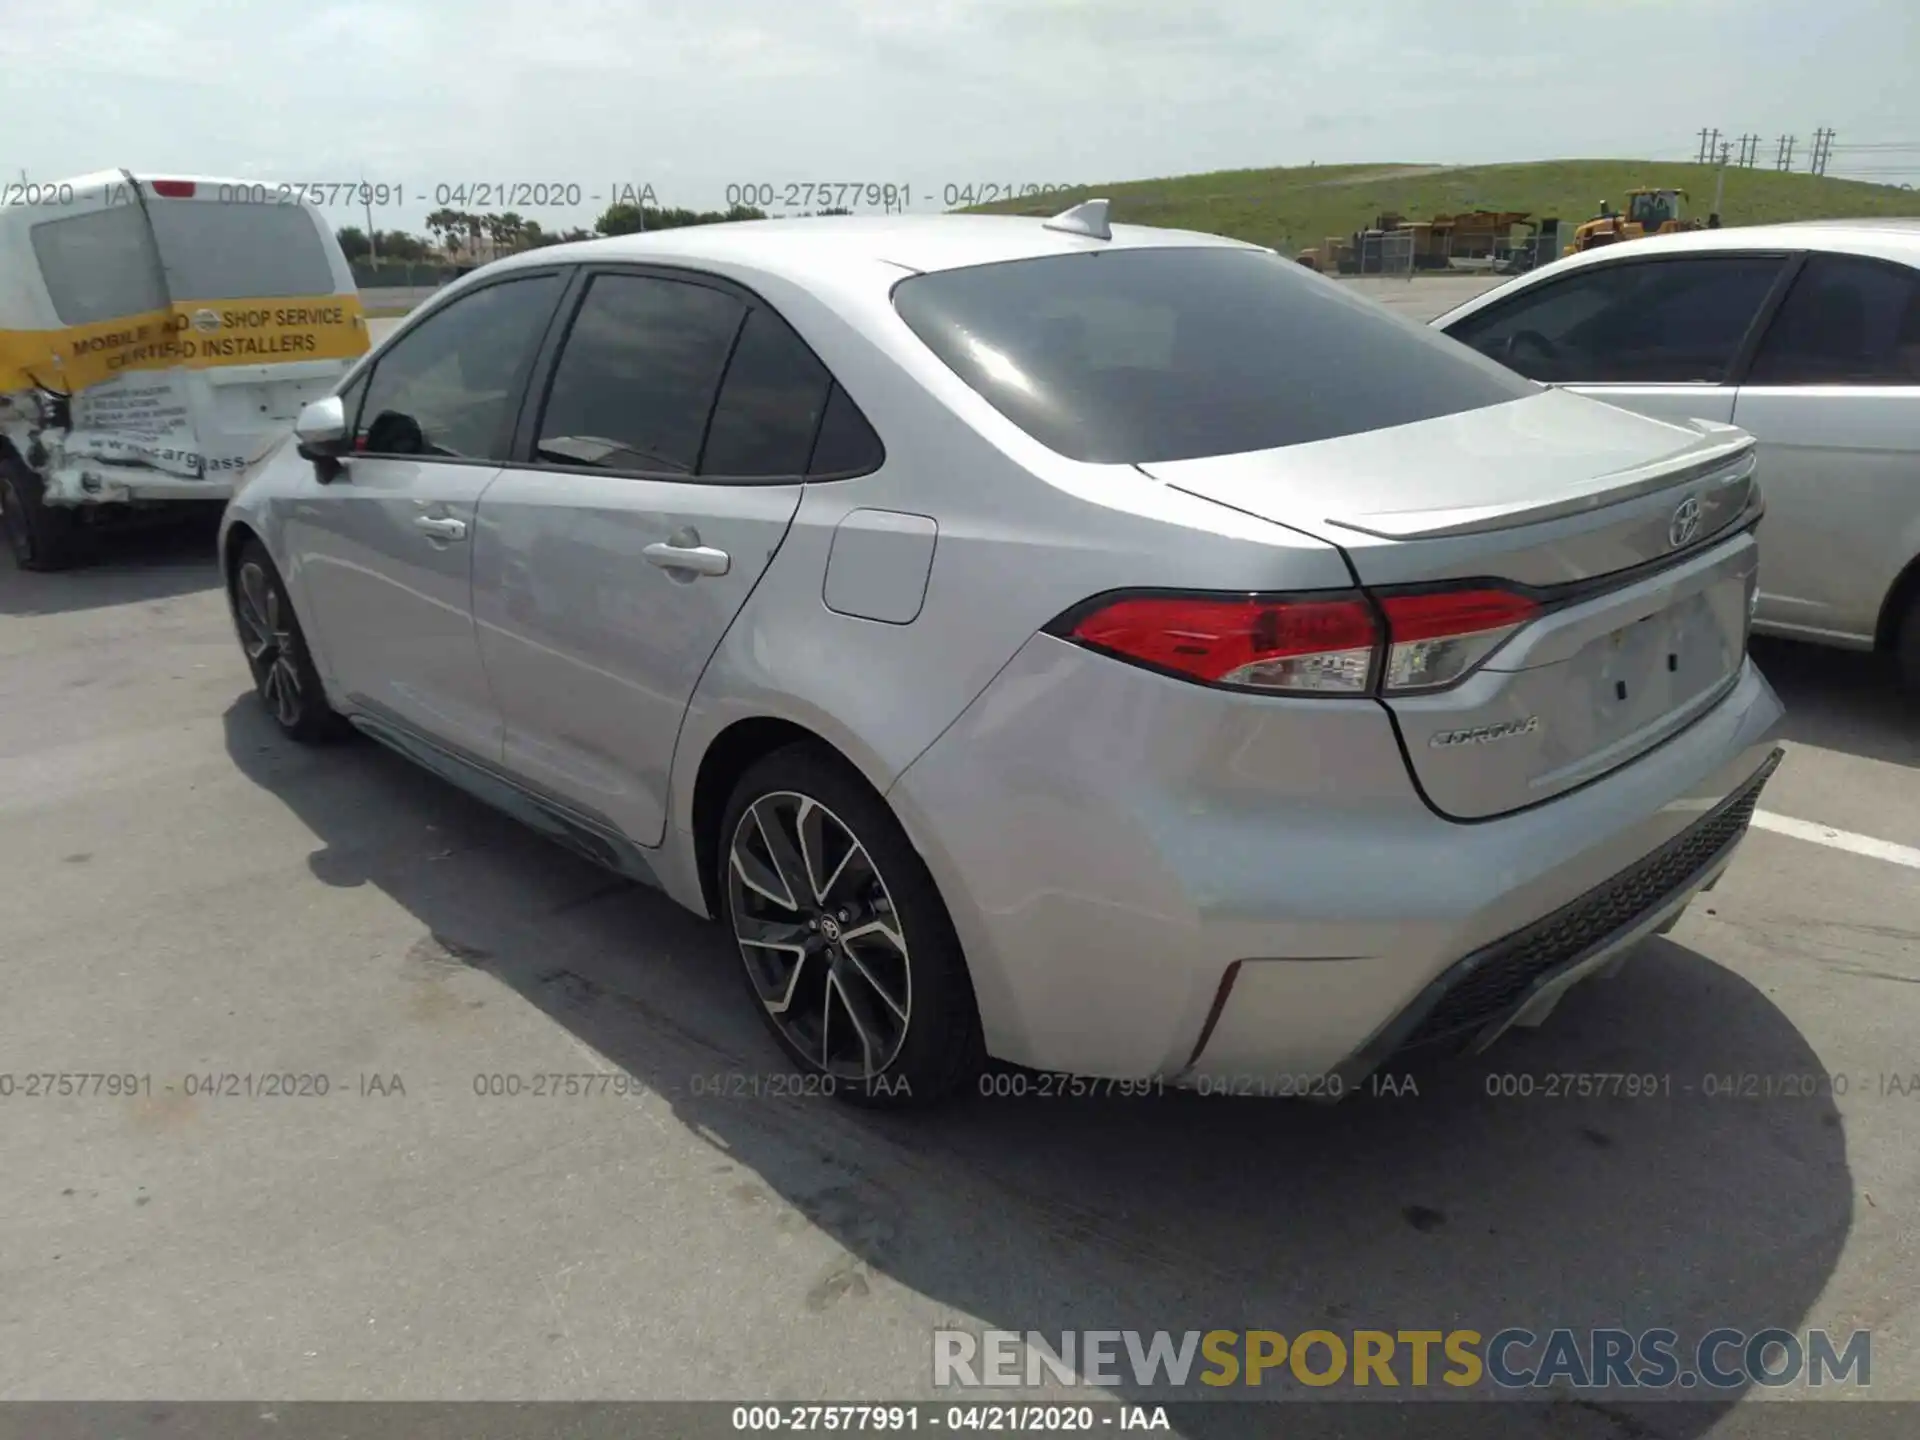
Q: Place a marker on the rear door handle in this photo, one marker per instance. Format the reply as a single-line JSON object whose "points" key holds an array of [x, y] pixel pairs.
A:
{"points": [[684, 552], [440, 527]]}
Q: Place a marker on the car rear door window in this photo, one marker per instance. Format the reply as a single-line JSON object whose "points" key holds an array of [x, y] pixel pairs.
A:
{"points": [[637, 377], [1674, 321], [770, 404], [447, 388], [846, 445], [1153, 354], [1848, 320]]}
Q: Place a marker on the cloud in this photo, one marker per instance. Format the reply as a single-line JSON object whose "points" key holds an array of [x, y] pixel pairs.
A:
{"points": [[697, 95]]}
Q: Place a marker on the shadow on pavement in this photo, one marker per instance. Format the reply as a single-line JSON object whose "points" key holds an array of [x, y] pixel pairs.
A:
{"points": [[154, 562], [1842, 700], [1449, 1208]]}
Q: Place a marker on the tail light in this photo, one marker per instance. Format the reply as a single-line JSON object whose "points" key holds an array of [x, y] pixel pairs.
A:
{"points": [[1326, 643], [1321, 644], [172, 189], [1440, 637]]}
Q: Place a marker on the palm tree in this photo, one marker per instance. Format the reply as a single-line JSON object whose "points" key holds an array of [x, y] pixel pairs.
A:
{"points": [[445, 226]]}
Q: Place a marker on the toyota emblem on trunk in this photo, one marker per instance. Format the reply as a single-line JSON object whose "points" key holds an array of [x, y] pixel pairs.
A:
{"points": [[1685, 523]]}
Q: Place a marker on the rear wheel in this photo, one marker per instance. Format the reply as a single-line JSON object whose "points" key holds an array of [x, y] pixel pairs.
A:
{"points": [[276, 651], [847, 949], [41, 536]]}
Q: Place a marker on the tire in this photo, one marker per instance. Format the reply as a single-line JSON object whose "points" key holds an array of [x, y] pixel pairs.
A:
{"points": [[867, 988], [276, 651], [40, 536], [1906, 649]]}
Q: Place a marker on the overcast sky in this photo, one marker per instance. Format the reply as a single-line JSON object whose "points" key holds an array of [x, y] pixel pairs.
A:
{"points": [[694, 95]]}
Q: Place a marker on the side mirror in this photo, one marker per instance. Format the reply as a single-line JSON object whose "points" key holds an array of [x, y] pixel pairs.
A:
{"points": [[321, 429]]}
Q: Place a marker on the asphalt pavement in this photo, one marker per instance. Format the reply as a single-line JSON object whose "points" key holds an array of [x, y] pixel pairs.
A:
{"points": [[188, 898]]}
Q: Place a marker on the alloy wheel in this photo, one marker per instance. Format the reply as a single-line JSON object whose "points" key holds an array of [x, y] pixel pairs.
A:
{"points": [[818, 932], [266, 633]]}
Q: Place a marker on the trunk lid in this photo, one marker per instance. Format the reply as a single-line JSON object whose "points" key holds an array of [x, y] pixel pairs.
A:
{"points": [[1633, 535]]}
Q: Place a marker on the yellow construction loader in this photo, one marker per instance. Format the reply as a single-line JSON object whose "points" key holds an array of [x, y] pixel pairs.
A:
{"points": [[1648, 212]]}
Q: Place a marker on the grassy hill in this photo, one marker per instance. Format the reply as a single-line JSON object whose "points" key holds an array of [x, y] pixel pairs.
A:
{"points": [[1295, 208]]}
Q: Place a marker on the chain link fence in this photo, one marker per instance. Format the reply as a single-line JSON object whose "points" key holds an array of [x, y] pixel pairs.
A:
{"points": [[402, 276]]}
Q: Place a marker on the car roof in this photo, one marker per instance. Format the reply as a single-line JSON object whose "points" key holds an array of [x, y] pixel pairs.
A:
{"points": [[1870, 235], [1886, 237], [804, 248]]}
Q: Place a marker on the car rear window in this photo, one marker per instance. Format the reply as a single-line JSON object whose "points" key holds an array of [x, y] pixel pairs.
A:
{"points": [[1138, 355], [216, 251]]}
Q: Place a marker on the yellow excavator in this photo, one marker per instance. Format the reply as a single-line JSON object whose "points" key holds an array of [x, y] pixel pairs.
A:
{"points": [[1649, 212]]}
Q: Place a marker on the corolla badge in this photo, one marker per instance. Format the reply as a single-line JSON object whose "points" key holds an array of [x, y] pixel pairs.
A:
{"points": [[1685, 523], [1485, 734]]}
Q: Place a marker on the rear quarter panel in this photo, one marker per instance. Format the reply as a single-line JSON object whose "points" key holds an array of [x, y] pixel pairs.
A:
{"points": [[1020, 536]]}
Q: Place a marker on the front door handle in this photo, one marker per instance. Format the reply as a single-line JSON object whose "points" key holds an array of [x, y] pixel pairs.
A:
{"points": [[440, 527], [684, 552]]}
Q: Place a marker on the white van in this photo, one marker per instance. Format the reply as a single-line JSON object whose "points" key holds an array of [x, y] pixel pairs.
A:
{"points": [[156, 337]]}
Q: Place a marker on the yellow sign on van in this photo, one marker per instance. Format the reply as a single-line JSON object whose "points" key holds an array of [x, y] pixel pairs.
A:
{"points": [[191, 335]]}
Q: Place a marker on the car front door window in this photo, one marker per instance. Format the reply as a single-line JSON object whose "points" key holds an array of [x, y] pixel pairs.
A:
{"points": [[1633, 322], [446, 389]]}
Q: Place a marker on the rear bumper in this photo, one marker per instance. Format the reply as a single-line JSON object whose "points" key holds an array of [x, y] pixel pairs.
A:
{"points": [[1151, 878], [84, 483], [1519, 978]]}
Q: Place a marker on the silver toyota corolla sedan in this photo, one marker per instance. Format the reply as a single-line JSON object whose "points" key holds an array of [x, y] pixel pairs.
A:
{"points": [[1805, 335], [1112, 650]]}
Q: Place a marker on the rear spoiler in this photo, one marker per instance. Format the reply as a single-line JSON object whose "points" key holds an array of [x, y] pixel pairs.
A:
{"points": [[1724, 456]]}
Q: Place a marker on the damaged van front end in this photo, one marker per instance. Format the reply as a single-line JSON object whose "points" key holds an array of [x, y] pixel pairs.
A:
{"points": [[157, 337]]}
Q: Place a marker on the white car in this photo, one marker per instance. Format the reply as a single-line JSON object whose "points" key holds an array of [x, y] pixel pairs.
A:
{"points": [[1113, 650], [1805, 335]]}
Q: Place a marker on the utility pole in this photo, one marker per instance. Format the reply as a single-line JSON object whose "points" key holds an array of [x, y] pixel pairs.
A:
{"points": [[1701, 159], [1784, 159], [1822, 152], [373, 236], [1720, 181]]}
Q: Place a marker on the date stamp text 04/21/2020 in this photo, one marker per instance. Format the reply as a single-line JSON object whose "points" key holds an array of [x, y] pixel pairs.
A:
{"points": [[547, 194]]}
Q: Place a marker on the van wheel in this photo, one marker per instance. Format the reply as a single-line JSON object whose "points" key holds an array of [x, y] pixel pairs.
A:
{"points": [[41, 536], [848, 952], [276, 651], [1906, 648]]}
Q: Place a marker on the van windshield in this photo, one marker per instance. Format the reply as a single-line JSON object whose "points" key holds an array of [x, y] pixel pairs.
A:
{"points": [[219, 251]]}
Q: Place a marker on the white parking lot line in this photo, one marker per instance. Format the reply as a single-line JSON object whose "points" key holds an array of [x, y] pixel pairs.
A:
{"points": [[1838, 839]]}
